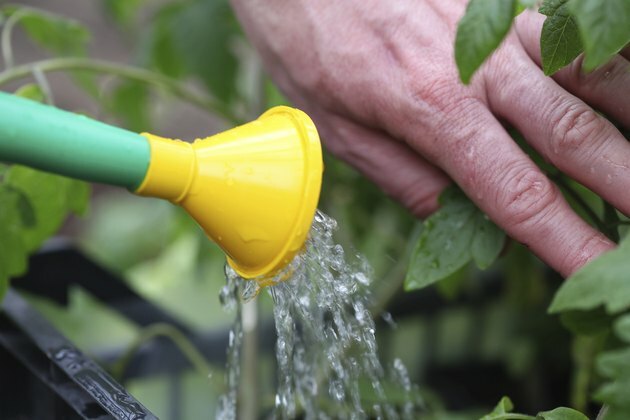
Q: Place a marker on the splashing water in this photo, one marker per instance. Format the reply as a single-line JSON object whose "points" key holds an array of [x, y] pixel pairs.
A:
{"points": [[325, 337], [230, 300]]}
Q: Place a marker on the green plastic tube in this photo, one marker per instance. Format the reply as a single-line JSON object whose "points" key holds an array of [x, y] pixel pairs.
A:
{"points": [[73, 145]]}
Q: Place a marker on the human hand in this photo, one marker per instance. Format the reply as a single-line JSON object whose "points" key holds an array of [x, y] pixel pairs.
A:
{"points": [[380, 82]]}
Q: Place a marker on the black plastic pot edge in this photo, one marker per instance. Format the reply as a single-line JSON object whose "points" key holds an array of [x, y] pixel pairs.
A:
{"points": [[63, 368]]}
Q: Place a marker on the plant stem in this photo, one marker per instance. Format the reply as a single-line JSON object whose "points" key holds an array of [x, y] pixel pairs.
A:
{"points": [[162, 330], [43, 84], [392, 283], [584, 352], [562, 183], [7, 32], [129, 72], [611, 219]]}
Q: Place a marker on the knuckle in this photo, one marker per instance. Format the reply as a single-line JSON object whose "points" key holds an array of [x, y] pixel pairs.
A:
{"points": [[439, 97], [431, 93], [527, 198], [574, 125]]}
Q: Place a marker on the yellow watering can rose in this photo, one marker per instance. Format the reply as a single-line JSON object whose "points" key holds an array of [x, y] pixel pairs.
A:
{"points": [[253, 189]]}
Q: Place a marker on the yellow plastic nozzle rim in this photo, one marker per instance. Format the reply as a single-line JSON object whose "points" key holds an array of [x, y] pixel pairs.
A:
{"points": [[313, 168], [253, 189]]}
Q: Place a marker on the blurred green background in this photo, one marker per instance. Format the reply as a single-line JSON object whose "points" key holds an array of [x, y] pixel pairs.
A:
{"points": [[466, 342]]}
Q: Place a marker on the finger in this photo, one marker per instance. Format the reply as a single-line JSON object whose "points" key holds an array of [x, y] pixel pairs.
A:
{"points": [[565, 130], [391, 164], [481, 157], [397, 169], [606, 88]]}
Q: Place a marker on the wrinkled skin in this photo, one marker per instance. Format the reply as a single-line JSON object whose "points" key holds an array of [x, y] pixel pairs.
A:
{"points": [[380, 82]]}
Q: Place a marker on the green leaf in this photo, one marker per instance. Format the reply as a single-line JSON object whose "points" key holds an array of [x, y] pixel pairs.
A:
{"points": [[77, 196], [31, 91], [158, 49], [561, 413], [203, 34], [24, 208], [487, 242], [42, 192], [4, 283], [560, 41], [87, 81], [617, 413], [33, 204], [615, 394], [452, 285], [12, 252], [123, 11], [443, 246], [604, 27], [50, 196], [622, 328], [56, 34], [480, 32], [130, 102], [550, 7], [586, 322], [453, 236], [615, 364], [13, 255], [603, 281], [503, 407]]}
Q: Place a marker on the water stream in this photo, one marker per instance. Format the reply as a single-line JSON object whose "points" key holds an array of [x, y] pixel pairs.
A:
{"points": [[326, 351]]}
